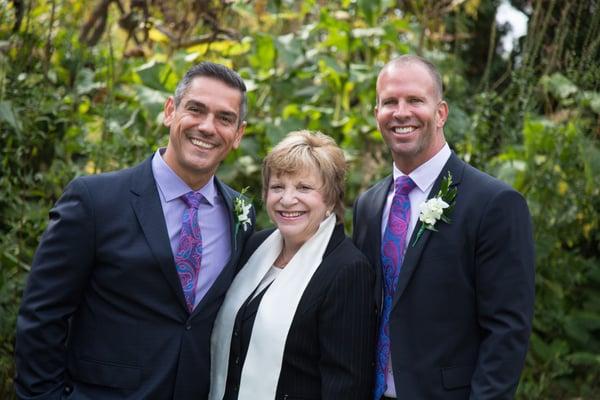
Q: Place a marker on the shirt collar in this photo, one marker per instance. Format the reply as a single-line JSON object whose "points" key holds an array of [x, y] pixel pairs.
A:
{"points": [[171, 186], [426, 174]]}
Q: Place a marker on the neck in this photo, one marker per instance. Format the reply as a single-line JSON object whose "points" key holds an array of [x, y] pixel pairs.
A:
{"points": [[195, 180], [288, 251], [408, 165]]}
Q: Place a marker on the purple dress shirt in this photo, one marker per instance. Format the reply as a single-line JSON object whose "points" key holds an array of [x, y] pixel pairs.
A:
{"points": [[212, 214]]}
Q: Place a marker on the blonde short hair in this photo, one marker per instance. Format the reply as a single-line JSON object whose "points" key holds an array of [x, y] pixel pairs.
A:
{"points": [[302, 149]]}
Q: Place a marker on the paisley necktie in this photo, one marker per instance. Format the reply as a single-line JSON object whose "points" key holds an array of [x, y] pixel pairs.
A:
{"points": [[392, 255], [189, 250]]}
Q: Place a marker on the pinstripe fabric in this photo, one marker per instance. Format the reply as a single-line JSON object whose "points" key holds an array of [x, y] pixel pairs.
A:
{"points": [[330, 346]]}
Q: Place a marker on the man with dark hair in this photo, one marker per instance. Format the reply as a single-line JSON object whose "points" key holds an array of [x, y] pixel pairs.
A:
{"points": [[133, 267], [453, 253]]}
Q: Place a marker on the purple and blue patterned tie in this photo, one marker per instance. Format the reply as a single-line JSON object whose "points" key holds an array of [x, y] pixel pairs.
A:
{"points": [[392, 255], [189, 250]]}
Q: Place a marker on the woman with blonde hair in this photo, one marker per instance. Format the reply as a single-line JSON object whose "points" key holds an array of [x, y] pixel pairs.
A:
{"points": [[298, 321]]}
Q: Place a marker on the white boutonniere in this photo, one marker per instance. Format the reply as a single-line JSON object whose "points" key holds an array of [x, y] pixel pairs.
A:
{"points": [[241, 212], [437, 208]]}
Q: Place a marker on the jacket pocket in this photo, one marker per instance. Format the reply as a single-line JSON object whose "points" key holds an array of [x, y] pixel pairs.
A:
{"points": [[457, 377], [106, 373]]}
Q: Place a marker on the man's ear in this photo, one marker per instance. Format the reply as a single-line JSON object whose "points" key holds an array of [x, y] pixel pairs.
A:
{"points": [[375, 110], [169, 111], [238, 135], [442, 114]]}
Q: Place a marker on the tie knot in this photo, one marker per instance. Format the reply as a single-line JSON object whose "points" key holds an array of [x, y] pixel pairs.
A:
{"points": [[404, 185], [191, 199]]}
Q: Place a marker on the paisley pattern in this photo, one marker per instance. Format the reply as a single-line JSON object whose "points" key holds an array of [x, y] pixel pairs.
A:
{"points": [[189, 250], [392, 255]]}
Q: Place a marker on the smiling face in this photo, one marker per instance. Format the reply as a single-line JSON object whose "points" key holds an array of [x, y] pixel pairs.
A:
{"points": [[410, 114], [296, 205], [202, 129]]}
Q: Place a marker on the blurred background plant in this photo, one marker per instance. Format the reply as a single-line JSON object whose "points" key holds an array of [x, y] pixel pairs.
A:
{"points": [[82, 84]]}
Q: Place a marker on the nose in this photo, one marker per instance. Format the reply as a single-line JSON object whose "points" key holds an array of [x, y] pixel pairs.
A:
{"points": [[401, 110], [207, 124], [288, 197]]}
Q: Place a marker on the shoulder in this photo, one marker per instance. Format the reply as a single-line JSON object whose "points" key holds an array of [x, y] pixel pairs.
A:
{"points": [[225, 189], [346, 258], [228, 192], [485, 188], [344, 277], [381, 185], [114, 180], [484, 181]]}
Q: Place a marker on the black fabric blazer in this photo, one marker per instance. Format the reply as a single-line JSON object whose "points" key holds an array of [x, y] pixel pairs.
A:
{"points": [[103, 315], [462, 312], [329, 350]]}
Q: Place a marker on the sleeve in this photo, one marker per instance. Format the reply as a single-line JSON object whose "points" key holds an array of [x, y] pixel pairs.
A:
{"points": [[505, 276], [59, 273], [347, 334]]}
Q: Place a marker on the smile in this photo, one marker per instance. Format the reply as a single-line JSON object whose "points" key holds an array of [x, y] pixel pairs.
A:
{"points": [[202, 144], [404, 129], [291, 214]]}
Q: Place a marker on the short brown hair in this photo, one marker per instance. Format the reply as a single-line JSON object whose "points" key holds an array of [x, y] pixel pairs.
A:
{"points": [[302, 149], [216, 71]]}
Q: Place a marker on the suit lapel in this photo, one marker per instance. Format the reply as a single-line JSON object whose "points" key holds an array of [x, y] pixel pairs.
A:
{"points": [[413, 253], [374, 214], [148, 210]]}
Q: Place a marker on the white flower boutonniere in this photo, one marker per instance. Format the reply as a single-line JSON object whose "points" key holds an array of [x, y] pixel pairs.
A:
{"points": [[437, 208], [241, 212]]}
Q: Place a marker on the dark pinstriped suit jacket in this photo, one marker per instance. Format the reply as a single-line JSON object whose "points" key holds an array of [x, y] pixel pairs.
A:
{"points": [[329, 350]]}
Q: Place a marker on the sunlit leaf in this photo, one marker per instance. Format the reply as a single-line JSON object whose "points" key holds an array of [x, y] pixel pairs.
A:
{"points": [[559, 85]]}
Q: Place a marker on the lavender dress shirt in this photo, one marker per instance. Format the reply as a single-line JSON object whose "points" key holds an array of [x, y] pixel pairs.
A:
{"points": [[212, 214]]}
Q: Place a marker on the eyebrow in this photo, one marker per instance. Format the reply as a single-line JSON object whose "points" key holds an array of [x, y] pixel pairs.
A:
{"points": [[194, 103], [384, 99], [199, 104]]}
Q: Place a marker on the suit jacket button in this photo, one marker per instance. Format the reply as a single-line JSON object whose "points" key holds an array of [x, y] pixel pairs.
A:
{"points": [[188, 327], [237, 361]]}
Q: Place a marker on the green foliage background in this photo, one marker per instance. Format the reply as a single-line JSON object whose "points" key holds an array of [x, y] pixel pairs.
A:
{"points": [[82, 89]]}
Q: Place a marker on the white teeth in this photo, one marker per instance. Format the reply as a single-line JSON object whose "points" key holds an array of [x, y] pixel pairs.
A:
{"points": [[291, 214], [404, 129], [200, 143]]}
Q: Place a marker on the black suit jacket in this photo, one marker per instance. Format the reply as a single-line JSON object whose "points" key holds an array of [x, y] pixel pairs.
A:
{"points": [[329, 349], [462, 312], [103, 314]]}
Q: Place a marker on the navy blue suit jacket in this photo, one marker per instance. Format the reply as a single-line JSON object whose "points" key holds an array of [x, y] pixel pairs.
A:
{"points": [[103, 315], [462, 312]]}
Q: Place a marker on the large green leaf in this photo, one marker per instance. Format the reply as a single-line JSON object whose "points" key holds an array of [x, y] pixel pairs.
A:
{"points": [[154, 74], [8, 115]]}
